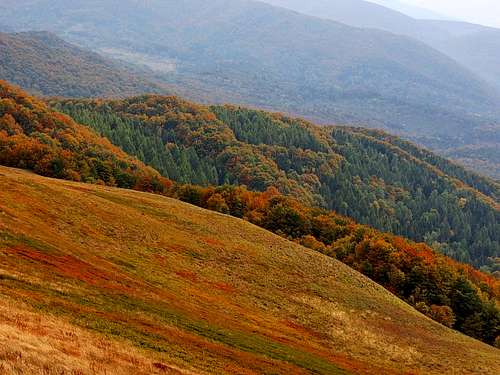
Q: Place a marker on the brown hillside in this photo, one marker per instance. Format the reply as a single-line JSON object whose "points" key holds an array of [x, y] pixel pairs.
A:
{"points": [[193, 289]]}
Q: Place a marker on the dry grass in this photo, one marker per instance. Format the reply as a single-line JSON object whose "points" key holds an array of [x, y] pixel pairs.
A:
{"points": [[35, 343], [178, 285]]}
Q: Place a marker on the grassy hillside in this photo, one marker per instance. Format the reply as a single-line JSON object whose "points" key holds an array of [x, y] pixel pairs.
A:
{"points": [[33, 342], [451, 293], [368, 175], [210, 294], [44, 64], [278, 59]]}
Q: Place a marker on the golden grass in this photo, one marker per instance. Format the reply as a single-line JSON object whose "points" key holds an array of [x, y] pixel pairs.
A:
{"points": [[35, 343], [193, 289]]}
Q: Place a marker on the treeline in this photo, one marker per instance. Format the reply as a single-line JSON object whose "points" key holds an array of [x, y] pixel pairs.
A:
{"points": [[53, 145], [376, 179], [453, 294]]}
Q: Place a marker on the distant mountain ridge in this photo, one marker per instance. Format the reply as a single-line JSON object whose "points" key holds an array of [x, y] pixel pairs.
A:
{"points": [[360, 13], [280, 60], [474, 46], [411, 10]]}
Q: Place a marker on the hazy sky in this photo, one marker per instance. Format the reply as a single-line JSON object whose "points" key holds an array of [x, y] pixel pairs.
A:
{"points": [[486, 12]]}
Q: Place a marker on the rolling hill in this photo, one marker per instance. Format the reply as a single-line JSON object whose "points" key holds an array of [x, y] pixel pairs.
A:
{"points": [[100, 276], [456, 295], [368, 175], [46, 65], [251, 53]]}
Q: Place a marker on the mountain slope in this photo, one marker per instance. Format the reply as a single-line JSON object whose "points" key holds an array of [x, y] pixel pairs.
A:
{"points": [[432, 283], [44, 64], [476, 47], [279, 59], [212, 294], [376, 179], [398, 265], [451, 293], [33, 342]]}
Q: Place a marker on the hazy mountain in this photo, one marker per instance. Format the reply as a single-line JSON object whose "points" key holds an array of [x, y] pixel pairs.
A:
{"points": [[360, 13], [255, 54], [410, 10], [4, 28], [456, 28], [475, 47], [45, 64]]}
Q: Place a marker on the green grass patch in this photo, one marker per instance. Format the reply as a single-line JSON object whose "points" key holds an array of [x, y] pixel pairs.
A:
{"points": [[68, 303], [246, 342], [10, 240]]}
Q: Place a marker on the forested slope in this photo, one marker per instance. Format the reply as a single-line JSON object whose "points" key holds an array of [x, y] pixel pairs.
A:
{"points": [[251, 53], [34, 137], [474, 47]]}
